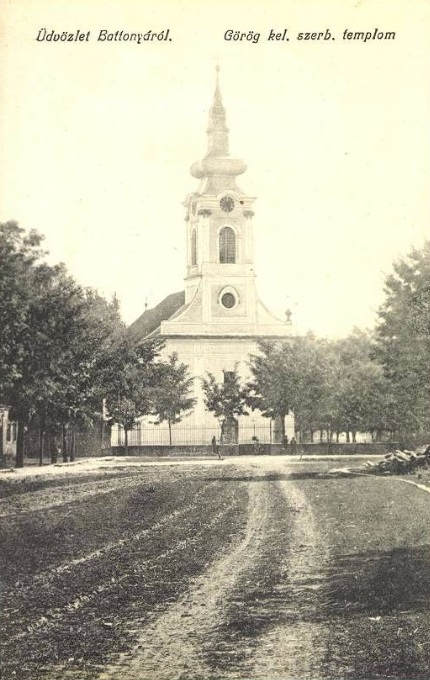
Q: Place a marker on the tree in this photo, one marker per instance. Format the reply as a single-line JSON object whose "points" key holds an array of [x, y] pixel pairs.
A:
{"points": [[19, 254], [171, 395], [270, 389], [360, 389], [129, 374], [35, 392], [403, 342], [226, 400], [52, 335], [96, 327], [288, 376], [125, 412]]}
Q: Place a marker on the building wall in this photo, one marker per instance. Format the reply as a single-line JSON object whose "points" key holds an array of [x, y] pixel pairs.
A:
{"points": [[215, 355]]}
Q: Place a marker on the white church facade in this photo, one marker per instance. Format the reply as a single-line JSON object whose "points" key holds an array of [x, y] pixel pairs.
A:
{"points": [[216, 322]]}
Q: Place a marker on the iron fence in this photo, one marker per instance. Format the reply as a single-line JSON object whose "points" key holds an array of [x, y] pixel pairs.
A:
{"points": [[180, 435]]}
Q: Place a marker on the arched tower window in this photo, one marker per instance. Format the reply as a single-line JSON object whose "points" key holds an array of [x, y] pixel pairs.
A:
{"points": [[193, 248], [227, 246]]}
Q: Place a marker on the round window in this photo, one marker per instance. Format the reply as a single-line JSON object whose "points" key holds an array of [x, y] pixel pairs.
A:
{"points": [[228, 300]]}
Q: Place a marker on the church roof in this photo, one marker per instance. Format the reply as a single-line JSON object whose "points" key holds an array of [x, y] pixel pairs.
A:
{"points": [[149, 322]]}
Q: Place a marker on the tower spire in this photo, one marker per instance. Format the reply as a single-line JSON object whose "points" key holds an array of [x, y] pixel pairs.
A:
{"points": [[217, 161], [217, 128]]}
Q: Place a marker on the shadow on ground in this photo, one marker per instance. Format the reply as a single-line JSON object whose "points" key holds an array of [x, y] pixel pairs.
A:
{"points": [[283, 477], [379, 583]]}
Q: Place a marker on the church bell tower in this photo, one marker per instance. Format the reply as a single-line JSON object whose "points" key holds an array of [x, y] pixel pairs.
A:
{"points": [[219, 229], [220, 290]]}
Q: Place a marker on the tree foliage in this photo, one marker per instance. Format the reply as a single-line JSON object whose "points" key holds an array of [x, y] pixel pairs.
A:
{"points": [[53, 334], [19, 255], [171, 395], [288, 376], [226, 399], [330, 385], [128, 374], [360, 390], [403, 341]]}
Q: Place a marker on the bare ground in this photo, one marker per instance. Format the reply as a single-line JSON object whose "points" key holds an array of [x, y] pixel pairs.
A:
{"points": [[257, 568]]}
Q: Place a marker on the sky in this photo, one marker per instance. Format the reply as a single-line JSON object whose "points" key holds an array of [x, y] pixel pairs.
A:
{"points": [[97, 138]]}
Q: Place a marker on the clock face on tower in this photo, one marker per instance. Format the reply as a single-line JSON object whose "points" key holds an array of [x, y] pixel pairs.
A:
{"points": [[226, 204]]}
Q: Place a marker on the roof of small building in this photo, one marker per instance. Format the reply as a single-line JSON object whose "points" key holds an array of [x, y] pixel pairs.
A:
{"points": [[149, 322]]}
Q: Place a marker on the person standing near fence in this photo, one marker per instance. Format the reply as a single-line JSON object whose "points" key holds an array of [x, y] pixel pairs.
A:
{"points": [[215, 448]]}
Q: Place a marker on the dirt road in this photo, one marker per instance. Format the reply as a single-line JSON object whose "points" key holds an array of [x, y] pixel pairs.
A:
{"points": [[259, 568]]}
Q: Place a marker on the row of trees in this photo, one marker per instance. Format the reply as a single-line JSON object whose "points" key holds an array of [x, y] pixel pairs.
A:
{"points": [[64, 351], [331, 386]]}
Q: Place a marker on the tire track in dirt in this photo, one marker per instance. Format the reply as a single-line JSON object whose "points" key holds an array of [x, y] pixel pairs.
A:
{"points": [[295, 649], [170, 647], [272, 623]]}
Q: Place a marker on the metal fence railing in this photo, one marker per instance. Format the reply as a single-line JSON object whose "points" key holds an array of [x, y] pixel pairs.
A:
{"points": [[157, 435]]}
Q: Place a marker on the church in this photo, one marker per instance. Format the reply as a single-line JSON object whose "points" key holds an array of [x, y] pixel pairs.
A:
{"points": [[217, 321]]}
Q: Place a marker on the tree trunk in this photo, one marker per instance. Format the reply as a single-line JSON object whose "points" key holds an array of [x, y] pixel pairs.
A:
{"points": [[337, 436], [354, 436], [312, 436], [41, 443], [279, 429], [348, 439], [126, 441], [2, 462], [19, 459], [170, 432], [230, 431], [283, 416], [73, 445], [64, 442]]}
